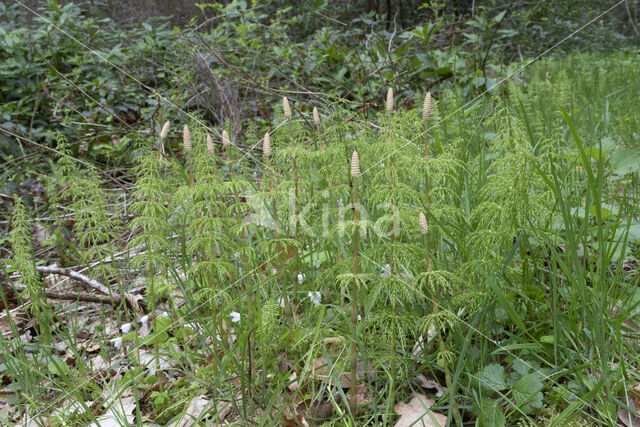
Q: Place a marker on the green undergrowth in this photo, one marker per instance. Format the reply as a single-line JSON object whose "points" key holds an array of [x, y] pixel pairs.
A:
{"points": [[265, 284]]}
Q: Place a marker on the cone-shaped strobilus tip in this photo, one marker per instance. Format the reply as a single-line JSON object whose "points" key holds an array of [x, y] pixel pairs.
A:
{"points": [[389, 104], [424, 226], [225, 138], [186, 138], [426, 107], [210, 147], [165, 130], [286, 107], [355, 165], [266, 145]]}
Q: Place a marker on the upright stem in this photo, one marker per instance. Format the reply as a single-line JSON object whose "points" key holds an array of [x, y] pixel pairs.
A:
{"points": [[283, 255], [296, 209], [426, 162], [354, 298], [441, 346]]}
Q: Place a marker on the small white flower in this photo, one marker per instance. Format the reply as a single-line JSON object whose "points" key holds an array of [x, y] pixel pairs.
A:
{"points": [[300, 278], [281, 302], [386, 271], [163, 314], [315, 297], [144, 319], [274, 270], [125, 328], [107, 331], [359, 318], [218, 338], [235, 316], [117, 342]]}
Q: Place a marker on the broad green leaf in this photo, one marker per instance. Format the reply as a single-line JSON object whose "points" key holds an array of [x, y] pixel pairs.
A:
{"points": [[492, 415], [526, 393], [625, 161], [492, 377], [57, 367]]}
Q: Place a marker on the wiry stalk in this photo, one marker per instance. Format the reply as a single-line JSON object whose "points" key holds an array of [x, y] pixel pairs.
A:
{"points": [[426, 112], [266, 151], [186, 135], [296, 207], [355, 173], [389, 107], [394, 308]]}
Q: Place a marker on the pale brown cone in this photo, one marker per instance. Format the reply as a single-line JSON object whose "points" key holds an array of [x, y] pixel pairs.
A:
{"points": [[389, 99], [424, 226], [165, 130], [266, 145], [286, 107], [316, 116], [186, 138], [426, 108], [355, 165], [210, 148], [225, 138]]}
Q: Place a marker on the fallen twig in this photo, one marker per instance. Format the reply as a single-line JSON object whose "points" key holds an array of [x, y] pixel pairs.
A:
{"points": [[71, 296], [75, 275]]}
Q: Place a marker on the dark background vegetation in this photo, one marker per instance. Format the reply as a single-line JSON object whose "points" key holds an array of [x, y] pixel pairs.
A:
{"points": [[230, 61]]}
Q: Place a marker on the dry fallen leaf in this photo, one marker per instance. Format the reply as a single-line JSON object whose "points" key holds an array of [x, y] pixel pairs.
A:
{"points": [[298, 421], [627, 418], [320, 370], [119, 412], [315, 409], [429, 384], [149, 360], [363, 395], [416, 413], [294, 385], [196, 407]]}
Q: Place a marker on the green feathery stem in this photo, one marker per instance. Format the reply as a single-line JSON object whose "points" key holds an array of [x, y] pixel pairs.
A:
{"points": [[23, 263]]}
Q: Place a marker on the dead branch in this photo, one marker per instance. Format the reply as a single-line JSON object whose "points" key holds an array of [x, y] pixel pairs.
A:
{"points": [[74, 275]]}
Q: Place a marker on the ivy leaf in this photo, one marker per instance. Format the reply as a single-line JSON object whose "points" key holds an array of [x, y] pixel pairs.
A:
{"points": [[492, 377], [526, 393]]}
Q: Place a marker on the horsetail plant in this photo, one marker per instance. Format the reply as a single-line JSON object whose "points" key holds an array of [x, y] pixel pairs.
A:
{"points": [[426, 112], [23, 263], [281, 244], [434, 320], [355, 174], [294, 222]]}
